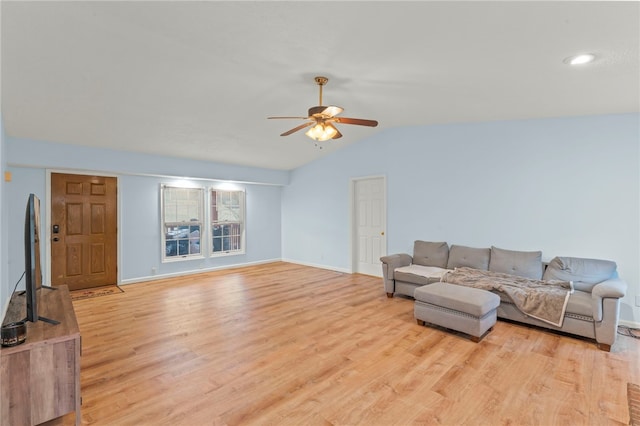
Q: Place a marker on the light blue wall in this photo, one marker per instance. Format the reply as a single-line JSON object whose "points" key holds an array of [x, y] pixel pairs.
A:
{"points": [[139, 204], [30, 153], [140, 229], [5, 284], [568, 187]]}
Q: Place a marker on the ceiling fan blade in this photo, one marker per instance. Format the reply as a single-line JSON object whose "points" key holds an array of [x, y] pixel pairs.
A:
{"points": [[300, 118], [358, 121], [321, 111], [332, 110], [338, 134], [300, 127]]}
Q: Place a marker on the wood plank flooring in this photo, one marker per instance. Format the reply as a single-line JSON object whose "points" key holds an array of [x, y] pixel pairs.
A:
{"points": [[284, 344]]}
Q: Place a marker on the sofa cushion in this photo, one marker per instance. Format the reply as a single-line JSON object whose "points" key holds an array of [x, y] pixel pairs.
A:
{"points": [[471, 257], [585, 273], [427, 253], [579, 303], [527, 264], [418, 274], [472, 301]]}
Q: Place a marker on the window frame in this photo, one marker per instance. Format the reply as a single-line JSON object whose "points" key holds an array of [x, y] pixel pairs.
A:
{"points": [[241, 222], [202, 224]]}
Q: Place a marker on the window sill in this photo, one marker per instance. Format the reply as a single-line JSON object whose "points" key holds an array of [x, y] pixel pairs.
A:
{"points": [[182, 258], [227, 253]]}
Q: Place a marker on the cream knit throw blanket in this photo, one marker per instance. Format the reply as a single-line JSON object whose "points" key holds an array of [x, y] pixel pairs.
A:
{"points": [[542, 300]]}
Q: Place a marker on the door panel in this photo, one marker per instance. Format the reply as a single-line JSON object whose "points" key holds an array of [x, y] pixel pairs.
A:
{"points": [[369, 225], [84, 250]]}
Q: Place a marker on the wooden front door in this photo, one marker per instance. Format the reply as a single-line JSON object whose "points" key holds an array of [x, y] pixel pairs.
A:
{"points": [[83, 231]]}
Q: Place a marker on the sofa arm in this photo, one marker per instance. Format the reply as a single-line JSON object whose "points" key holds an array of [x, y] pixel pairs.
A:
{"points": [[396, 260], [389, 264], [614, 288]]}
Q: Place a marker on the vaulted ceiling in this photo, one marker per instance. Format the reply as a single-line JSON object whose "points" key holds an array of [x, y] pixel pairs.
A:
{"points": [[198, 79]]}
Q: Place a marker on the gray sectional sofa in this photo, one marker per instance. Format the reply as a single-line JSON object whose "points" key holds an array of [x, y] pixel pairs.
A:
{"points": [[592, 309]]}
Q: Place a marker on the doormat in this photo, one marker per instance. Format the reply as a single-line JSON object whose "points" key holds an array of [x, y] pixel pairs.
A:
{"points": [[95, 292], [633, 395]]}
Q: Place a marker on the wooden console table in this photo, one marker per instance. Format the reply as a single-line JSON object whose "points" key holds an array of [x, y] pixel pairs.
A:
{"points": [[40, 378]]}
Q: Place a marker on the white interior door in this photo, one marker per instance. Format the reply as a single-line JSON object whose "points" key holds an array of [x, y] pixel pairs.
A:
{"points": [[369, 224]]}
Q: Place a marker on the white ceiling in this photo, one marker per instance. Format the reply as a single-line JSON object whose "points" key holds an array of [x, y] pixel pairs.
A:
{"points": [[198, 79]]}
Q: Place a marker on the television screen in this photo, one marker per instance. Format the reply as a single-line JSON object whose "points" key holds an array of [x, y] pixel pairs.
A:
{"points": [[33, 273], [32, 264]]}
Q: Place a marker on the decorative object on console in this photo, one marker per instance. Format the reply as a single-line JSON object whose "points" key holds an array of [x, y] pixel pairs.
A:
{"points": [[14, 333]]}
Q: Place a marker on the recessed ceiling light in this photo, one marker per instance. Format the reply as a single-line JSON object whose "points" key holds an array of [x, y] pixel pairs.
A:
{"points": [[581, 59]]}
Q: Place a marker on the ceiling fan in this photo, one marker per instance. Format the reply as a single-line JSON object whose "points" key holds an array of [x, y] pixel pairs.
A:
{"points": [[321, 119]]}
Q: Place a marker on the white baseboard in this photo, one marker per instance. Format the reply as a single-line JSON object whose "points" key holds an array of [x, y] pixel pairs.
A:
{"points": [[193, 272], [199, 271], [315, 265], [217, 268]]}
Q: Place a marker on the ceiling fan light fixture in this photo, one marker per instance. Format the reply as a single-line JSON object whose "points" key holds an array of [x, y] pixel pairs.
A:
{"points": [[321, 132]]}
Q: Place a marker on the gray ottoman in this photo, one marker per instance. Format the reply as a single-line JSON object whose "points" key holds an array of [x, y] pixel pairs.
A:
{"points": [[465, 309]]}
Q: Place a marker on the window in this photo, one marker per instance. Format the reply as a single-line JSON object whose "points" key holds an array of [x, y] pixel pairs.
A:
{"points": [[182, 218], [227, 222], [186, 223]]}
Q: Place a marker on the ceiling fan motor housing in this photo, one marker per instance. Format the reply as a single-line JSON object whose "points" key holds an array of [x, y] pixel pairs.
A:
{"points": [[316, 110]]}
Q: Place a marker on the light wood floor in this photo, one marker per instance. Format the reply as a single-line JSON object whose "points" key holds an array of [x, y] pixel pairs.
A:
{"points": [[283, 344]]}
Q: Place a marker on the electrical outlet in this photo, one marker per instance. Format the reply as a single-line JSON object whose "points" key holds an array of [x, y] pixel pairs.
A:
{"points": [[153, 270], [638, 301]]}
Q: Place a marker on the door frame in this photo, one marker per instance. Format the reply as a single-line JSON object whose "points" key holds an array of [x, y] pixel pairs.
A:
{"points": [[47, 233], [353, 251]]}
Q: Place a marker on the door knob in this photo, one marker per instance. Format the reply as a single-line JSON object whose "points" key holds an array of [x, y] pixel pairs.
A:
{"points": [[55, 239], [382, 233]]}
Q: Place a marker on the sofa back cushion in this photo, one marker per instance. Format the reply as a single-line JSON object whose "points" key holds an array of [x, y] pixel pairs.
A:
{"points": [[471, 257], [427, 253], [585, 273], [527, 264]]}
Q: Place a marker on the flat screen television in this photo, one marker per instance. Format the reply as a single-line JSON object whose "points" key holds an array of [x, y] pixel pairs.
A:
{"points": [[32, 265]]}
